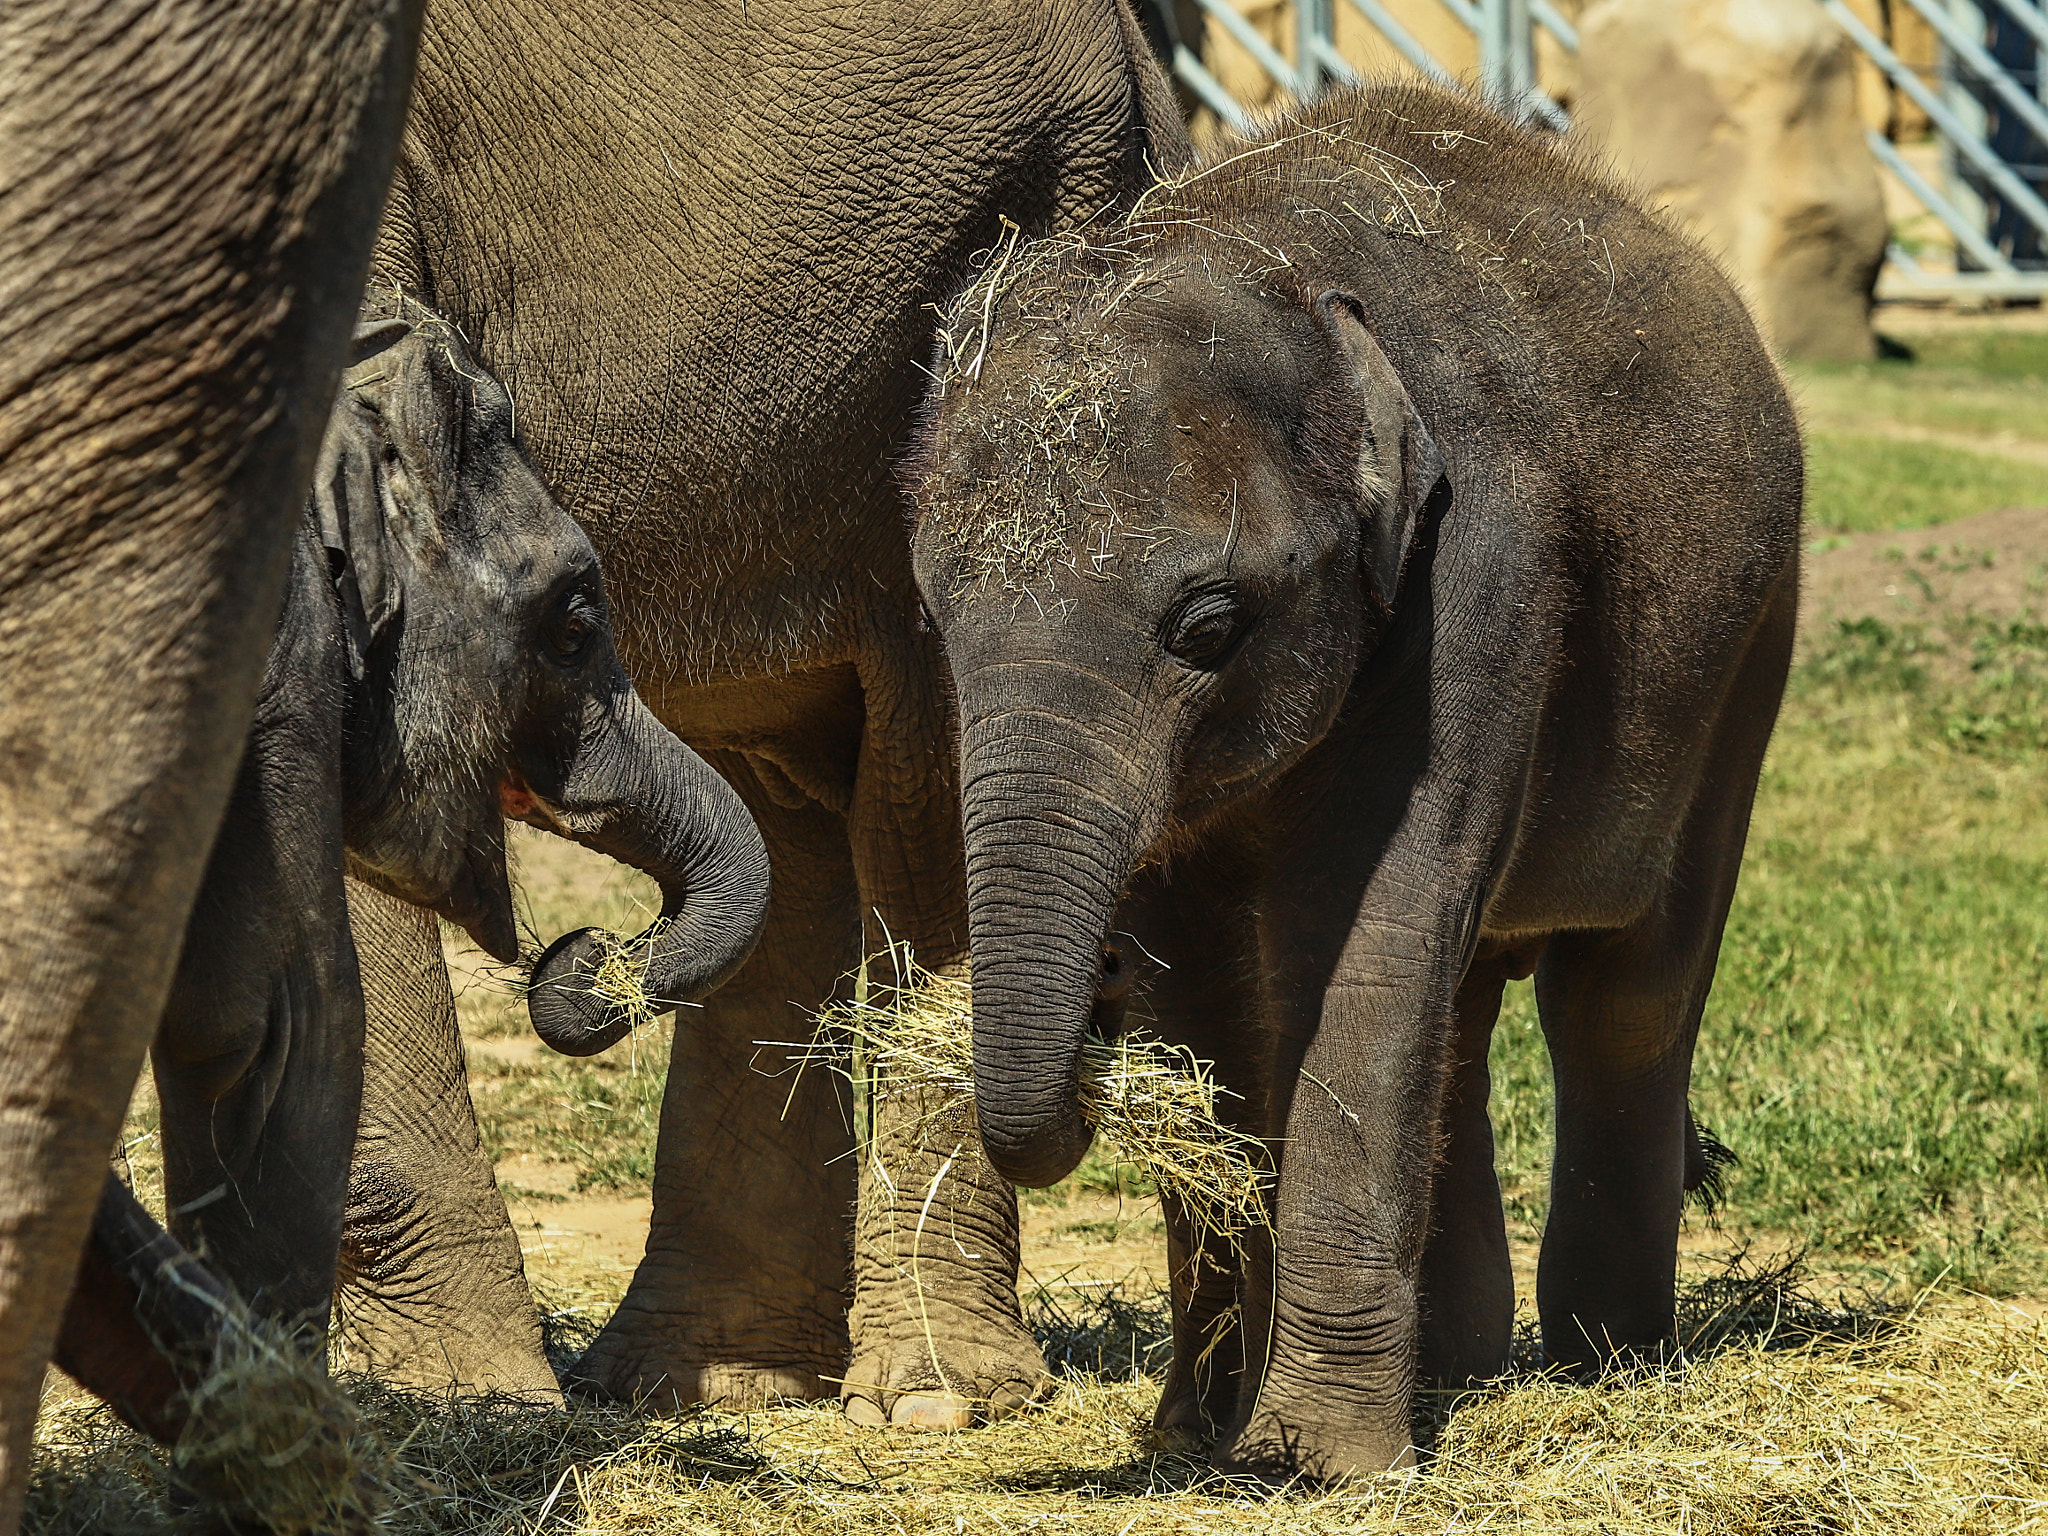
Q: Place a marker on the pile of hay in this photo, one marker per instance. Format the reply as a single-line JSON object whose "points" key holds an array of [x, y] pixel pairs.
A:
{"points": [[1796, 1416], [271, 1444], [908, 1032]]}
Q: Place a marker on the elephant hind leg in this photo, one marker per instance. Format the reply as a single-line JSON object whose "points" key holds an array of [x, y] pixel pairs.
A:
{"points": [[1468, 1279], [1621, 1011]]}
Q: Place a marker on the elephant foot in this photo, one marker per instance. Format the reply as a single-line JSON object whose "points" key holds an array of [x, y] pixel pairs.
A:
{"points": [[668, 1388], [945, 1383], [1278, 1448], [664, 1358]]}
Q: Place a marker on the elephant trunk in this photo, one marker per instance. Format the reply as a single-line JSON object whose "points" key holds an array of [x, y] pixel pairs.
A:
{"points": [[1052, 831], [638, 795]]}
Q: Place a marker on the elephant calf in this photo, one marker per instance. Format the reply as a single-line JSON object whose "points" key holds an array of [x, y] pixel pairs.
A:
{"points": [[1368, 575], [444, 660]]}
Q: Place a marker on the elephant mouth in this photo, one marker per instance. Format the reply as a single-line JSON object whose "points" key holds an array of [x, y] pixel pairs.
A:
{"points": [[479, 902], [1107, 1017]]}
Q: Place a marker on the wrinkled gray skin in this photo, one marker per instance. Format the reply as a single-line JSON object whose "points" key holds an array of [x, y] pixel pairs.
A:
{"points": [[443, 659], [187, 192], [698, 243], [1404, 598]]}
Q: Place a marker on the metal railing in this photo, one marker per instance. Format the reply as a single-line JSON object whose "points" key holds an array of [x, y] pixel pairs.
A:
{"points": [[1504, 32], [1996, 274]]}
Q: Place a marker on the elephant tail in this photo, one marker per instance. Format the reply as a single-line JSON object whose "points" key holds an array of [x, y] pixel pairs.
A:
{"points": [[1707, 1161]]}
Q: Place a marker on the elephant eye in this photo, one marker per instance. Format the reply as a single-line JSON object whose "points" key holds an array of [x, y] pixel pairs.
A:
{"points": [[572, 626], [1205, 628]]}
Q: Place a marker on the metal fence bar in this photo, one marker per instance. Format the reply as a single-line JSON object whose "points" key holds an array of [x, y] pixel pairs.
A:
{"points": [[1247, 37], [1968, 236], [1190, 69], [1310, 23], [1980, 285], [1548, 18], [1996, 171], [1333, 62], [1403, 41], [1986, 68], [1465, 11], [1518, 39]]}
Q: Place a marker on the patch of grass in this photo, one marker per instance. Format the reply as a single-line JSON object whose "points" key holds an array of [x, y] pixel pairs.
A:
{"points": [[1876, 1046], [1989, 351], [598, 1114], [1792, 1414], [1858, 481]]}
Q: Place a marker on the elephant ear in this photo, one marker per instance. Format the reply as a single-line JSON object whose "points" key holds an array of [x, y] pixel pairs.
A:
{"points": [[348, 502], [1400, 470]]}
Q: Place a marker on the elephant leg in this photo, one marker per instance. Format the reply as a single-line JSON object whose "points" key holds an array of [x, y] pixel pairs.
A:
{"points": [[1202, 995], [1620, 1011], [938, 1335], [1468, 1280], [434, 1286], [1362, 988], [256, 1174], [741, 1297]]}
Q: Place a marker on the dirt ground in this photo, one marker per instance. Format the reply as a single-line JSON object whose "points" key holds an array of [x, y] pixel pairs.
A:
{"points": [[1994, 564]]}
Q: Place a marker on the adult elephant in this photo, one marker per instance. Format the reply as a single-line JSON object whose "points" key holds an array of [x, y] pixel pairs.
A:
{"points": [[187, 193], [699, 245]]}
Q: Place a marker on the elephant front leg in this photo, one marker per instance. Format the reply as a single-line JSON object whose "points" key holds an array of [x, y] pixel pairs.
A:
{"points": [[741, 1297], [434, 1287], [1333, 1326], [939, 1340]]}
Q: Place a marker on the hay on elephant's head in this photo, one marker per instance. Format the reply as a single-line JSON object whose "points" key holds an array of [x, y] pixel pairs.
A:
{"points": [[1154, 1103]]}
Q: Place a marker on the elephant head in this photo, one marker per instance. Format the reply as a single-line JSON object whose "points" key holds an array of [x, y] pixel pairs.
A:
{"points": [[484, 684], [1162, 516]]}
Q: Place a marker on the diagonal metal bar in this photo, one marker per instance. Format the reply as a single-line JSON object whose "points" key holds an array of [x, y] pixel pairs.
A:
{"points": [[1334, 63], [1968, 236], [2016, 192], [1465, 11], [1988, 285], [1538, 102], [1548, 18], [1403, 41], [1205, 85], [1247, 37], [1986, 68]]}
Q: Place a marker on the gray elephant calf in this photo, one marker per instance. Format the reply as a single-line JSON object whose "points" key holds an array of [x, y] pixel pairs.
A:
{"points": [[1368, 575], [444, 659]]}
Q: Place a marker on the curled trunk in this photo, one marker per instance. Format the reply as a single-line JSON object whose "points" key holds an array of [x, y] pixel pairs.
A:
{"points": [[638, 795]]}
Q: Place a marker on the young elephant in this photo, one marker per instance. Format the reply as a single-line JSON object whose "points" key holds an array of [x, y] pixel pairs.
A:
{"points": [[1368, 575], [444, 660]]}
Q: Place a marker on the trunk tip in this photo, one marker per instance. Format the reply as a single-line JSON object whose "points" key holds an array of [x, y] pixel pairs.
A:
{"points": [[563, 1003]]}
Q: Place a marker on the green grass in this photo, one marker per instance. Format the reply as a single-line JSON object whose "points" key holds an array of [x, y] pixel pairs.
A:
{"points": [[1959, 429], [1856, 482]]}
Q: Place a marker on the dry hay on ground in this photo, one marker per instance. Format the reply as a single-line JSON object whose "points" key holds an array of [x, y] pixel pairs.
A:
{"points": [[1793, 1416]]}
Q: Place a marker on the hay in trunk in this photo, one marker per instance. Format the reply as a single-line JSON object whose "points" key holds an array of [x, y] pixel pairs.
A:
{"points": [[1154, 1103]]}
